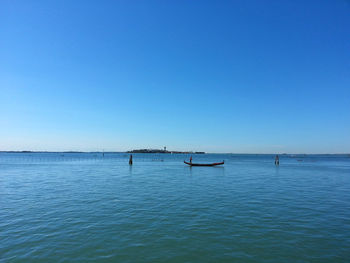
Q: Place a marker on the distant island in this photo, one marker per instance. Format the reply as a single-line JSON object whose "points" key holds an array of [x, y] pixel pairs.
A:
{"points": [[162, 151], [133, 151]]}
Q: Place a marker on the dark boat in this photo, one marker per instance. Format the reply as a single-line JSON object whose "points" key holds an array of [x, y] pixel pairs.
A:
{"points": [[204, 164]]}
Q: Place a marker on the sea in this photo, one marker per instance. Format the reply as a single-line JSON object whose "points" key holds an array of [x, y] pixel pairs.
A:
{"points": [[94, 207]]}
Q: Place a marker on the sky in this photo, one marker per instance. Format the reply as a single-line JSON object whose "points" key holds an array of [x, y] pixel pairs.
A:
{"points": [[215, 76]]}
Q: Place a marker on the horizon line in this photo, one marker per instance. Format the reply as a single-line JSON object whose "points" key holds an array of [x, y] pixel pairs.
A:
{"points": [[28, 151]]}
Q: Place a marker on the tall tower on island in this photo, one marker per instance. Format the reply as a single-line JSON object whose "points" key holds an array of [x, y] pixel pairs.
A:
{"points": [[164, 148]]}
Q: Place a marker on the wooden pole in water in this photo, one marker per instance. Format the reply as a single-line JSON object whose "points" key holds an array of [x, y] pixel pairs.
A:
{"points": [[130, 159]]}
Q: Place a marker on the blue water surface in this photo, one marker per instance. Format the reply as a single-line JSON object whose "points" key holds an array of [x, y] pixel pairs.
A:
{"points": [[85, 207]]}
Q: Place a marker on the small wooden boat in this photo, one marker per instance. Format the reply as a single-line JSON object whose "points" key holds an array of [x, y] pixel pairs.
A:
{"points": [[204, 164]]}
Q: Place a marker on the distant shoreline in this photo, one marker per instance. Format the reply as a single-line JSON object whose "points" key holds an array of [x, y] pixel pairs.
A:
{"points": [[163, 151], [178, 152], [133, 151]]}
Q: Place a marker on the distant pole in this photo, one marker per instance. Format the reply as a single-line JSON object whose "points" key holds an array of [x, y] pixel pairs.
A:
{"points": [[277, 160], [130, 159]]}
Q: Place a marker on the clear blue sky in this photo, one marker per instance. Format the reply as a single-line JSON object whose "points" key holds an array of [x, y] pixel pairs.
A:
{"points": [[218, 76]]}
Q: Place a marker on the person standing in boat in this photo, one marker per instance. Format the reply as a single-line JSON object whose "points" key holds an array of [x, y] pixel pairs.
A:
{"points": [[277, 160], [191, 159], [130, 159]]}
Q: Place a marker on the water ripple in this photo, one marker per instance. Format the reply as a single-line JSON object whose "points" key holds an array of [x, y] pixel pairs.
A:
{"points": [[89, 209]]}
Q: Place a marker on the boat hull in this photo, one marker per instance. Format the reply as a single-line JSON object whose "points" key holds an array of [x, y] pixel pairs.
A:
{"points": [[203, 164]]}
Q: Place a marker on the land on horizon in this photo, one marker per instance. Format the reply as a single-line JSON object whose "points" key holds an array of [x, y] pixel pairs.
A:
{"points": [[176, 152]]}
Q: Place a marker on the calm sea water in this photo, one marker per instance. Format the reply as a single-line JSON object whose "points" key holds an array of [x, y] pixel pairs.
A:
{"points": [[87, 208]]}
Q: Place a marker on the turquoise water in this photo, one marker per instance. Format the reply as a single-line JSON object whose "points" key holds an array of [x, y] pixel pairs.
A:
{"points": [[87, 208]]}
